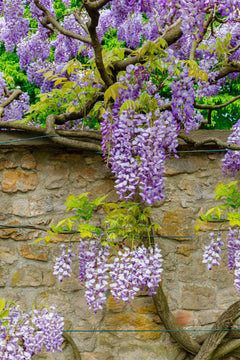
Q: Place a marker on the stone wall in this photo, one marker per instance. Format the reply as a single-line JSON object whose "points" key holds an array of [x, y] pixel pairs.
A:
{"points": [[36, 178]]}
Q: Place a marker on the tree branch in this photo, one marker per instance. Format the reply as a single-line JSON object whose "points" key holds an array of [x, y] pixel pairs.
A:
{"points": [[70, 340], [97, 47], [216, 107], [169, 321], [171, 35], [219, 143], [76, 144], [225, 321], [231, 67], [97, 5], [225, 349], [12, 96], [60, 28], [195, 43]]}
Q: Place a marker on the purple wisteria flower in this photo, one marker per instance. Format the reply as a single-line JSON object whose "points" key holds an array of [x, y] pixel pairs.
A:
{"points": [[93, 266], [237, 270], [135, 143], [62, 267], [231, 161], [25, 335], [134, 270], [131, 271], [233, 239], [211, 256]]}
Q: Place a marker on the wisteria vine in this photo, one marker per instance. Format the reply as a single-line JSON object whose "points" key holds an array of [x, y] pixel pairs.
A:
{"points": [[129, 272], [23, 335]]}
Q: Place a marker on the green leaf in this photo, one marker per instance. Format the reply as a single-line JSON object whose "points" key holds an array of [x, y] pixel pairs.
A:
{"points": [[234, 219], [129, 104], [218, 213], [55, 228], [113, 92], [223, 190], [203, 217], [4, 313], [2, 305]]}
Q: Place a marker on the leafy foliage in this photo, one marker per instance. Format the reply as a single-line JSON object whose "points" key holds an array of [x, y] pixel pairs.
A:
{"points": [[228, 210], [124, 220], [9, 65]]}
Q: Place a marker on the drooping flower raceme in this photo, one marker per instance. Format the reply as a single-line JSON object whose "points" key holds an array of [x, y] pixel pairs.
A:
{"points": [[212, 257], [24, 335], [231, 161], [62, 267], [237, 271], [130, 272], [233, 239], [134, 270], [135, 142], [93, 266], [212, 252]]}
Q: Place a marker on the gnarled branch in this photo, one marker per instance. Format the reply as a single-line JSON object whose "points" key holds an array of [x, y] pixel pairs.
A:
{"points": [[221, 144], [169, 321], [70, 340], [59, 27], [171, 35], [216, 107], [225, 321]]}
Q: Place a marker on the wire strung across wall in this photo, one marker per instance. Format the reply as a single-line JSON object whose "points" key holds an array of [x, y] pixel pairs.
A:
{"points": [[98, 152], [2, 226], [147, 330], [33, 138]]}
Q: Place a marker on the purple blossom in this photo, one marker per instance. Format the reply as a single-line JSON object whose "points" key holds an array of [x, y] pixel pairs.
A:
{"points": [[212, 252], [134, 270], [233, 239], [93, 266], [62, 267], [231, 161], [26, 334]]}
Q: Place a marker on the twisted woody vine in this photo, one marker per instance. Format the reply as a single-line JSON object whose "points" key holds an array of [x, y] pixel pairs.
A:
{"points": [[128, 78]]}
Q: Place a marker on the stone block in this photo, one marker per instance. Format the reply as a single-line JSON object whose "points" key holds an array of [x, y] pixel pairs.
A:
{"points": [[106, 355], [33, 276], [4, 272], [28, 162], [7, 164], [56, 177], [104, 188], [17, 234], [143, 305], [115, 306], [16, 180], [148, 351], [184, 318], [33, 206], [198, 297], [9, 256], [83, 173], [35, 252], [185, 165], [132, 322], [81, 309], [208, 317], [178, 223]]}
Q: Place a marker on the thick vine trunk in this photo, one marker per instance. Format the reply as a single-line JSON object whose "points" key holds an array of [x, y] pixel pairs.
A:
{"points": [[169, 321], [211, 348], [215, 338]]}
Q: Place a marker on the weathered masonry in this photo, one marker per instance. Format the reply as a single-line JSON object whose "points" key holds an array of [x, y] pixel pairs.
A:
{"points": [[36, 177]]}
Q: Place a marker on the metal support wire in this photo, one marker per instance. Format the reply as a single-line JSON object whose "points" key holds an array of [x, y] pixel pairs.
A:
{"points": [[159, 330], [75, 232], [33, 138]]}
